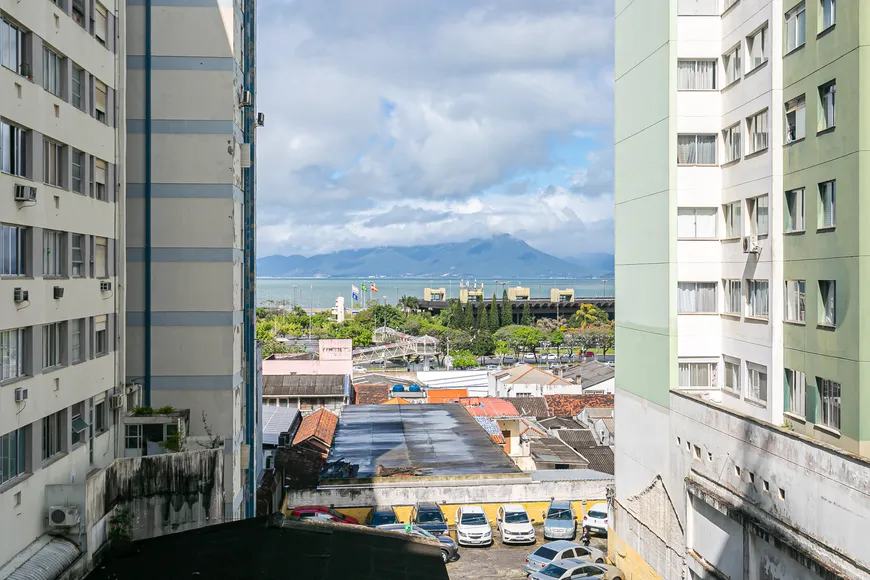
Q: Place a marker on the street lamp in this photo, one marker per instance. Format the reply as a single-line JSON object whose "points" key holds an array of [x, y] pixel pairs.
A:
{"points": [[605, 288]]}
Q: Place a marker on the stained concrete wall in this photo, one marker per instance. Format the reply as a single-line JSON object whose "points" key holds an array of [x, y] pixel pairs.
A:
{"points": [[167, 493]]}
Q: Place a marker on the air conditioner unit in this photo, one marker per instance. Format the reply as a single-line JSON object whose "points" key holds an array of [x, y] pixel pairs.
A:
{"points": [[58, 292], [117, 401], [20, 295], [25, 192], [246, 99], [105, 286], [25, 70], [20, 395], [261, 119], [63, 517], [750, 245]]}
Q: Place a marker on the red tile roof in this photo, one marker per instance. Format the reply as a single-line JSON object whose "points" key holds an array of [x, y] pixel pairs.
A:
{"points": [[371, 394], [570, 405], [317, 430], [489, 407]]}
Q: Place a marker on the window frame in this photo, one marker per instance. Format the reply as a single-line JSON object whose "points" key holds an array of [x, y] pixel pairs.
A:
{"points": [[101, 177], [78, 411], [696, 140], [757, 392], [15, 440], [101, 111], [798, 107], [694, 212], [827, 303], [101, 335], [101, 24], [753, 205], [100, 258], [52, 162], [731, 144], [696, 296], [728, 213], [15, 62], [712, 371], [101, 422], [827, 106], [52, 71], [695, 74], [797, 223], [764, 32], [54, 241], [14, 345], [753, 288], [823, 4], [732, 290], [77, 343], [53, 345], [732, 64], [827, 196], [829, 412], [78, 160], [14, 258], [136, 436], [52, 435], [736, 373], [753, 135], [797, 18], [795, 300], [796, 387], [14, 138], [77, 83]]}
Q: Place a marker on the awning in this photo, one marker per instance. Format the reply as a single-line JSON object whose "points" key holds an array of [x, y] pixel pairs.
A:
{"points": [[79, 424], [45, 559]]}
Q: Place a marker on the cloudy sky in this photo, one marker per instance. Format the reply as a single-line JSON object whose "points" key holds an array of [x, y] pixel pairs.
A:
{"points": [[403, 122]]}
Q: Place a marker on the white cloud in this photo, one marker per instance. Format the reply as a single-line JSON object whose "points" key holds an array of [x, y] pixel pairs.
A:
{"points": [[476, 94]]}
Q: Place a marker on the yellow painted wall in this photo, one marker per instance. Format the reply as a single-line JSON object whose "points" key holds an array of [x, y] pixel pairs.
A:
{"points": [[535, 509], [626, 559]]}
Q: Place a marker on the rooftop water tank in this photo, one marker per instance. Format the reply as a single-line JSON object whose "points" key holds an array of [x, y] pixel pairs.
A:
{"points": [[398, 388], [414, 388]]}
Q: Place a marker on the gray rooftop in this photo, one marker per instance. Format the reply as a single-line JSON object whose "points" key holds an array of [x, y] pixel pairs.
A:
{"points": [[589, 374], [438, 439], [568, 475], [304, 385], [553, 450]]}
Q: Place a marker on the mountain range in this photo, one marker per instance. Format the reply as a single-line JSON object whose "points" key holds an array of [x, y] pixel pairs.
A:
{"points": [[499, 256]]}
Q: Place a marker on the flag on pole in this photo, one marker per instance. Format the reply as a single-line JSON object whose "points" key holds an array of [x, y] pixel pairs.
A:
{"points": [[374, 288], [364, 288], [354, 292]]}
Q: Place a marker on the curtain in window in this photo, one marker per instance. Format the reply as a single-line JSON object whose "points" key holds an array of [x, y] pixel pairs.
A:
{"points": [[696, 296], [758, 297], [696, 75], [706, 149], [827, 192], [795, 293], [759, 132], [761, 215], [732, 374], [696, 374], [733, 296]]}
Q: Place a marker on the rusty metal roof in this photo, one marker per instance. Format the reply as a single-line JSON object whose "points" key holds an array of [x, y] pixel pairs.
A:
{"points": [[304, 385], [44, 559]]}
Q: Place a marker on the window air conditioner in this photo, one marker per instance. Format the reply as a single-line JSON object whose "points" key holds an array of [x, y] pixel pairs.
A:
{"points": [[20, 295], [750, 245], [58, 292], [261, 119], [247, 99], [105, 286], [20, 395], [25, 192], [117, 401], [63, 517]]}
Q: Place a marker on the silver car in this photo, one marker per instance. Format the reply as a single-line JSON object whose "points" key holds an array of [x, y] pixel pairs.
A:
{"points": [[572, 568], [449, 549], [560, 550], [560, 523]]}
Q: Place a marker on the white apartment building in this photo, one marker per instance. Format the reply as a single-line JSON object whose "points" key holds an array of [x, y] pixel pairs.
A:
{"points": [[61, 255]]}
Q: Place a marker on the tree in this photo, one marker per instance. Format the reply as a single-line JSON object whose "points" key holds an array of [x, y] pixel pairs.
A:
{"points": [[359, 334], [507, 335], [494, 320], [455, 316], [527, 319], [528, 338], [464, 359], [507, 315], [482, 343], [547, 325], [468, 320], [409, 303], [483, 318], [586, 315], [502, 348], [557, 339]]}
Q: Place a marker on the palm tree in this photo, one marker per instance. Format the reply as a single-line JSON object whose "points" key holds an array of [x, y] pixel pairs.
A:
{"points": [[409, 303]]}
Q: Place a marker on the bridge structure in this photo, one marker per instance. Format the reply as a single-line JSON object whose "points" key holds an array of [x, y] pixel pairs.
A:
{"points": [[390, 344], [540, 307]]}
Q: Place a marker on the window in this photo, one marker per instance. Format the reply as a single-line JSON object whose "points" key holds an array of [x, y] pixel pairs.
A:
{"points": [[100, 422], [796, 383], [78, 425], [828, 14], [12, 149], [52, 344], [794, 210], [101, 23], [829, 397], [758, 215], [100, 251], [52, 71], [52, 163], [13, 351], [733, 296], [13, 253], [827, 302], [78, 80], [731, 140], [757, 132], [13, 455], [100, 179], [827, 106], [78, 12], [795, 300], [696, 75], [54, 253], [133, 436], [733, 226], [795, 27], [78, 255], [76, 335], [756, 49], [758, 298], [728, 4], [101, 335], [696, 222], [693, 375], [696, 150], [796, 119], [732, 373], [78, 163], [52, 435], [11, 47], [827, 202], [756, 387], [699, 297], [100, 100], [731, 62]]}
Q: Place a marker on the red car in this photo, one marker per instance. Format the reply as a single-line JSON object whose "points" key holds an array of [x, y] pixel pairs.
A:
{"points": [[323, 513]]}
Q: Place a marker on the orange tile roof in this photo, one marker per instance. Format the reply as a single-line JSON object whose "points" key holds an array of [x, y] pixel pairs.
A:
{"points": [[571, 405], [397, 401], [446, 395], [373, 394], [489, 407], [319, 425]]}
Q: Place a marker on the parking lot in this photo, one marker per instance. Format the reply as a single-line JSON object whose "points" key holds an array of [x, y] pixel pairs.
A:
{"points": [[499, 561]]}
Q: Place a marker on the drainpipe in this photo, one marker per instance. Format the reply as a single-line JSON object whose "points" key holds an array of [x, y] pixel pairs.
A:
{"points": [[147, 378]]}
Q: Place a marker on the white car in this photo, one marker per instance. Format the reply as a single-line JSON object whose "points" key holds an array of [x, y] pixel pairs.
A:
{"points": [[552, 357], [514, 525], [472, 527], [596, 519], [359, 369], [575, 568], [529, 357]]}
